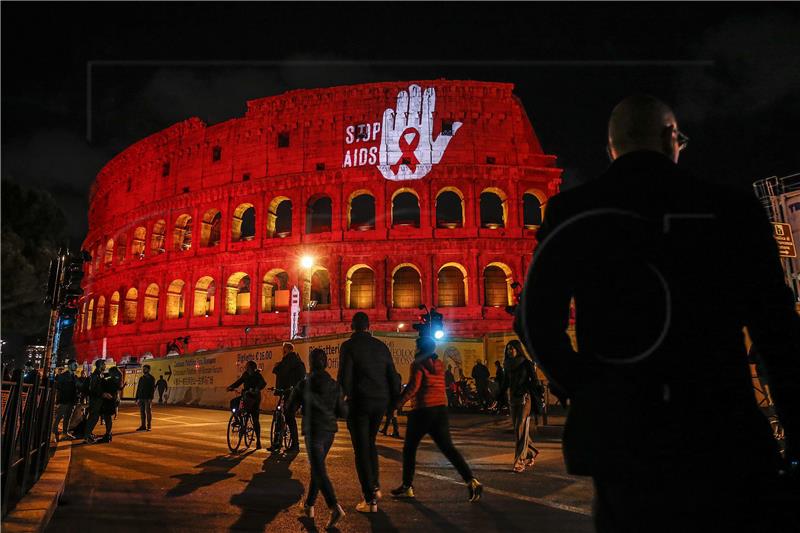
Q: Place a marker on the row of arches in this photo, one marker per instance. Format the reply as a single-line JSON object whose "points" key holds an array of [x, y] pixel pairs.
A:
{"points": [[236, 295], [360, 215]]}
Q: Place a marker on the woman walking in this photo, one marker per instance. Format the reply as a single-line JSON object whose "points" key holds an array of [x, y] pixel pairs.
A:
{"points": [[322, 402], [110, 387], [428, 416], [524, 390]]}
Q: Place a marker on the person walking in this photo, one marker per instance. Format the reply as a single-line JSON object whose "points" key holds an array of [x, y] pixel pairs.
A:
{"points": [[66, 385], [145, 391], [499, 377], [391, 414], [161, 387], [252, 383], [523, 389], [480, 373], [428, 416], [659, 316], [322, 403], [450, 385], [369, 381], [96, 397], [108, 408], [289, 371]]}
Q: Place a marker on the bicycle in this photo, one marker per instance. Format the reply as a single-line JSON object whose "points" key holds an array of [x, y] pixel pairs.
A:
{"points": [[240, 425], [279, 434]]}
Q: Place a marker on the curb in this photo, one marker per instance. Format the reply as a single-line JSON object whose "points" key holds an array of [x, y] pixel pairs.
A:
{"points": [[34, 510]]}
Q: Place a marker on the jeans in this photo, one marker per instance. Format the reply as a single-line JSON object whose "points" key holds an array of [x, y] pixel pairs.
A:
{"points": [[391, 418], [63, 411], [363, 425], [431, 421], [524, 427], [317, 447], [146, 413]]}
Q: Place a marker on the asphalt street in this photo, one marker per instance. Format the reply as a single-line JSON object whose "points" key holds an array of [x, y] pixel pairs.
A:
{"points": [[181, 477]]}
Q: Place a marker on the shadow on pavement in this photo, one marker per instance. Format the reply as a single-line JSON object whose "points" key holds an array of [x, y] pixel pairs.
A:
{"points": [[438, 520], [213, 471], [308, 524], [270, 492], [380, 522]]}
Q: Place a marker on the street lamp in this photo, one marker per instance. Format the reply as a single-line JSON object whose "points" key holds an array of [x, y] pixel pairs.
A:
{"points": [[246, 331], [306, 261]]}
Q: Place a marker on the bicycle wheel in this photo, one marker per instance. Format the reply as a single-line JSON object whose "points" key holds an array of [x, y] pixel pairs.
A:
{"points": [[248, 430], [234, 433], [287, 437], [276, 429]]}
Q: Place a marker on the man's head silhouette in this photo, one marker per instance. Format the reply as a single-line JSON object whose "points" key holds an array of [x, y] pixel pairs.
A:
{"points": [[643, 122]]}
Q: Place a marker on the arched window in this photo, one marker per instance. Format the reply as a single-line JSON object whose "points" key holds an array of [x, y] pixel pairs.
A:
{"points": [[319, 214], [243, 225], [100, 312], [151, 303], [405, 209], [452, 286], [237, 294], [98, 257], [137, 245], [90, 316], [84, 315], [182, 234], [131, 302], [211, 229], [360, 289], [113, 309], [317, 290], [361, 211], [497, 291], [275, 291], [532, 209], [493, 209], [122, 247], [406, 287], [109, 256], [279, 217], [204, 295], [158, 238], [450, 208], [176, 301]]}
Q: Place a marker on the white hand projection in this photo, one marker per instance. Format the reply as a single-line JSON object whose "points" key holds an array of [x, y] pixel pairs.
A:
{"points": [[408, 150]]}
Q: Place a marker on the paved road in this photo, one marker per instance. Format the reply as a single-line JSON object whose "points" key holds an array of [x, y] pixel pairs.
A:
{"points": [[180, 477]]}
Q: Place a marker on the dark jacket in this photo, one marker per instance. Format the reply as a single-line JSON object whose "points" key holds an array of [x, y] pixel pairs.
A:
{"points": [[67, 388], [289, 371], [480, 373], [146, 387], [251, 382], [95, 387], [367, 373], [110, 385], [161, 385], [519, 379], [321, 398], [665, 270]]}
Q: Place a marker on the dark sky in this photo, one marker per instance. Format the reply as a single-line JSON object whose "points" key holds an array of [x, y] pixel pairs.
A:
{"points": [[732, 72]]}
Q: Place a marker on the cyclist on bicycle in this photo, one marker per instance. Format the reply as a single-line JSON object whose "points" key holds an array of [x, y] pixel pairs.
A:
{"points": [[253, 382], [289, 372]]}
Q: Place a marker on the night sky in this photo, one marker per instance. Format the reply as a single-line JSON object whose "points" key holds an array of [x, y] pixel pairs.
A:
{"points": [[732, 73]]}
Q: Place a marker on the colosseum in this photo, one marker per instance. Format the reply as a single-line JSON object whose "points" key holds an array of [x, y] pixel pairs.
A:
{"points": [[376, 197]]}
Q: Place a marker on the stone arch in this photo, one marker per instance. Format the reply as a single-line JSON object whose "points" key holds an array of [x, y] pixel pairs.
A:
{"points": [[150, 303], [533, 206], [211, 228], [176, 299], [243, 224], [279, 217], [493, 208], [100, 312], [138, 242], [122, 247], [405, 208], [113, 309], [497, 280], [237, 294], [449, 205], [406, 286], [158, 237], [361, 210], [274, 289], [319, 214], [182, 233], [90, 315], [317, 288], [204, 296], [109, 254], [452, 285], [360, 287], [98, 256], [130, 305]]}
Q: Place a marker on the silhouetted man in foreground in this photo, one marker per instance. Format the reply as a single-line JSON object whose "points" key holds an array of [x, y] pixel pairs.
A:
{"points": [[665, 271]]}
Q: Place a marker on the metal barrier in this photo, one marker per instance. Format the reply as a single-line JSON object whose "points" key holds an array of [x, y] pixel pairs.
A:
{"points": [[26, 427]]}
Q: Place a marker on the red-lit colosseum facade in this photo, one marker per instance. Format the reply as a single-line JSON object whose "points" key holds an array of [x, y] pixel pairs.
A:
{"points": [[400, 194]]}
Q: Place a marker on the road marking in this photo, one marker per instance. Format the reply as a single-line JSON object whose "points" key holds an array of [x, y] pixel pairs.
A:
{"points": [[532, 499]]}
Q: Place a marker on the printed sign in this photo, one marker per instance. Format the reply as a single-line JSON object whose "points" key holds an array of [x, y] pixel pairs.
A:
{"points": [[783, 236]]}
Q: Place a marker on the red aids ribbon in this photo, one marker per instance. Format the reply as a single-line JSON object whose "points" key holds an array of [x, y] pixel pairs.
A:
{"points": [[407, 156]]}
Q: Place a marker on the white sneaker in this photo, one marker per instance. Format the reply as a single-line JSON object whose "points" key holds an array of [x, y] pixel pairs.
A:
{"points": [[337, 513], [306, 510]]}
